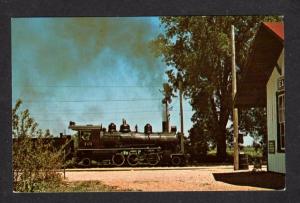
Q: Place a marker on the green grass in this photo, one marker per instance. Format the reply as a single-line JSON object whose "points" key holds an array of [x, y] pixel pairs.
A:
{"points": [[247, 150], [84, 186], [250, 151], [76, 186]]}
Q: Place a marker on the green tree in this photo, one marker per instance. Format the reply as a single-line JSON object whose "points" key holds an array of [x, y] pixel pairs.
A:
{"points": [[254, 121], [35, 160], [168, 94], [199, 142], [199, 49]]}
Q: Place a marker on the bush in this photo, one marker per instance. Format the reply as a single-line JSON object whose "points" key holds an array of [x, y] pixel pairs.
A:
{"points": [[35, 161]]}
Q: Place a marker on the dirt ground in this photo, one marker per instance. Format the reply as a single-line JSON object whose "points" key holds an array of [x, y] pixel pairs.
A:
{"points": [[208, 178]]}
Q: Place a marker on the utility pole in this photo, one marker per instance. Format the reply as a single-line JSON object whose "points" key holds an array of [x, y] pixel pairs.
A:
{"points": [[181, 118], [167, 116], [64, 163], [234, 110], [167, 92]]}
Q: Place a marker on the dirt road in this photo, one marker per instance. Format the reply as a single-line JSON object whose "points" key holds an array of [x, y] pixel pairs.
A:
{"points": [[212, 178]]}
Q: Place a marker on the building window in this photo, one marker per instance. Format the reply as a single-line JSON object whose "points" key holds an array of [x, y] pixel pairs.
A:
{"points": [[281, 121]]}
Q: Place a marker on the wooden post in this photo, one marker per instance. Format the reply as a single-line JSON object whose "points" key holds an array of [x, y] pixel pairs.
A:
{"points": [[64, 163], [167, 116], [181, 118], [234, 110]]}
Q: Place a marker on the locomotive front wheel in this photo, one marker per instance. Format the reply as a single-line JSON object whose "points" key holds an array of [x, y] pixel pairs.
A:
{"points": [[132, 159], [153, 159], [176, 161], [86, 162], [118, 159]]}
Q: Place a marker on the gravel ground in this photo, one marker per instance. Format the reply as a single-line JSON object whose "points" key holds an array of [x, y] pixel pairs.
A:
{"points": [[160, 179]]}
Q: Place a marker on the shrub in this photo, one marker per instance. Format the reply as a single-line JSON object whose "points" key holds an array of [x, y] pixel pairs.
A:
{"points": [[35, 161]]}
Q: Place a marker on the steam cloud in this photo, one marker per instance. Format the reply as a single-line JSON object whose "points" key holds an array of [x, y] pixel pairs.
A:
{"points": [[65, 50]]}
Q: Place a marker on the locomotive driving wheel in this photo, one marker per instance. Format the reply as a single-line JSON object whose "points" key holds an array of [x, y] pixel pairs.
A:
{"points": [[132, 159], [153, 159], [118, 159]]}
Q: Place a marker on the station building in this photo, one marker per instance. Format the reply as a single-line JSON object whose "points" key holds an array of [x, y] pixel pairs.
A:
{"points": [[262, 85]]}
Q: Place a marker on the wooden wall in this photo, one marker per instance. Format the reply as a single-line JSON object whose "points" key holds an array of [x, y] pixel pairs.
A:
{"points": [[276, 161]]}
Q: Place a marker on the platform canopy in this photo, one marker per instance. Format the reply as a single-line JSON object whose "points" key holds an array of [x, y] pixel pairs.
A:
{"points": [[267, 46]]}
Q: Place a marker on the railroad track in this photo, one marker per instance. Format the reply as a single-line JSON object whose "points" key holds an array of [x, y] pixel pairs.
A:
{"points": [[149, 168]]}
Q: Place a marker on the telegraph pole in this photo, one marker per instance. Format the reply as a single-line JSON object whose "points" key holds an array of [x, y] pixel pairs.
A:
{"points": [[167, 116], [181, 118], [234, 110]]}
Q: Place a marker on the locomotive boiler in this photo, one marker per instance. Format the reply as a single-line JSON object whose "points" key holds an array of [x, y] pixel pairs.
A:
{"points": [[126, 147]]}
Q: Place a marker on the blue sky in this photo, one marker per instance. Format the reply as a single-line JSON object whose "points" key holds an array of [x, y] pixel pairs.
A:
{"points": [[91, 71]]}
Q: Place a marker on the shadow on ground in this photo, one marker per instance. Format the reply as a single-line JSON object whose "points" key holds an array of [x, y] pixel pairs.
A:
{"points": [[255, 179]]}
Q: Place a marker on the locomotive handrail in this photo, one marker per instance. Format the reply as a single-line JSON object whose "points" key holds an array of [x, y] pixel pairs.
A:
{"points": [[127, 148]]}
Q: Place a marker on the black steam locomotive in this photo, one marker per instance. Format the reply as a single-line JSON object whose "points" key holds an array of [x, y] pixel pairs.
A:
{"points": [[125, 147]]}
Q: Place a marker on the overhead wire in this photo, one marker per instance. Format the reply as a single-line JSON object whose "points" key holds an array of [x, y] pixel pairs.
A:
{"points": [[88, 86], [95, 100], [78, 112]]}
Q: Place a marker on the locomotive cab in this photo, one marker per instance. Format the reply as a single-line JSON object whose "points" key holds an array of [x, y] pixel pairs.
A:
{"points": [[89, 138]]}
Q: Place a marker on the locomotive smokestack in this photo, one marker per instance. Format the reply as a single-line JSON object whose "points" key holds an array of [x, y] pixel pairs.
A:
{"points": [[164, 119]]}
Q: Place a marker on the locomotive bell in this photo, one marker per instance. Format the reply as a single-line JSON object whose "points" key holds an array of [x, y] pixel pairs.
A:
{"points": [[148, 129]]}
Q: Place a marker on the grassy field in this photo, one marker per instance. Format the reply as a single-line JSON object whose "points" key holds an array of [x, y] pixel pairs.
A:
{"points": [[247, 150], [84, 186], [250, 151]]}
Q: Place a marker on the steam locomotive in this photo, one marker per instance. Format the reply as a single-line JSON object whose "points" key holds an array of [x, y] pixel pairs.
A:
{"points": [[94, 143]]}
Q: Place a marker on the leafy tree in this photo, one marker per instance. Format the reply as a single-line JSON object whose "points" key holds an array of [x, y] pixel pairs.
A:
{"points": [[199, 49], [35, 161], [168, 94], [254, 121], [199, 142]]}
